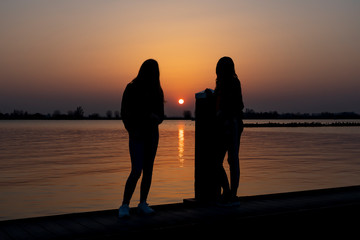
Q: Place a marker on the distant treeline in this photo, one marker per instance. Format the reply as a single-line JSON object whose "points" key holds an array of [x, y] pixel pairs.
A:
{"points": [[303, 124], [79, 113], [251, 114]]}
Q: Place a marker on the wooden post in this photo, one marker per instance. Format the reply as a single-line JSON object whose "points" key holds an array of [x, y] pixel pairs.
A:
{"points": [[207, 188]]}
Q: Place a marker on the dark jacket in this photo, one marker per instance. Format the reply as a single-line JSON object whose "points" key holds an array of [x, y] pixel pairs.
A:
{"points": [[140, 108], [229, 101]]}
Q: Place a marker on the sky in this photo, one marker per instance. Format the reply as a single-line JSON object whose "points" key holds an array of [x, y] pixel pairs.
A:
{"points": [[290, 55]]}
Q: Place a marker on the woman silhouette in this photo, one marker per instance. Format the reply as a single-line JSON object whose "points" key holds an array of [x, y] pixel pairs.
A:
{"points": [[142, 110], [229, 107]]}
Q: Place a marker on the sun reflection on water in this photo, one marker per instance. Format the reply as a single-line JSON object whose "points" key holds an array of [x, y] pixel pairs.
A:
{"points": [[181, 139]]}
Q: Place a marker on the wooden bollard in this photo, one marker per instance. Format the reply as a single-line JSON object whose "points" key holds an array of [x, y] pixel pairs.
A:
{"points": [[207, 188]]}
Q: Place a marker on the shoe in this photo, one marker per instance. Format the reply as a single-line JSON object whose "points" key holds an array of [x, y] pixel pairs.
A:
{"points": [[235, 203], [227, 201], [143, 208], [124, 211], [223, 204]]}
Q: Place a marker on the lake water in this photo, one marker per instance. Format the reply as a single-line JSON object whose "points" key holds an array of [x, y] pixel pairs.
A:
{"points": [[55, 167]]}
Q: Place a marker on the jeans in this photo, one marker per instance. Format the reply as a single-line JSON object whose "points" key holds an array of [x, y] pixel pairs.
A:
{"points": [[229, 134], [143, 146]]}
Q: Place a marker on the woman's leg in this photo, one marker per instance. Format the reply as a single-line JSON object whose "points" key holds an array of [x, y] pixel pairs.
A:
{"points": [[224, 182], [221, 173], [233, 157], [136, 147], [152, 142]]}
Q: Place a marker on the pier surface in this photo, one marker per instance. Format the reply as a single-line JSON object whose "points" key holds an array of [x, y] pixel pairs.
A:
{"points": [[322, 212]]}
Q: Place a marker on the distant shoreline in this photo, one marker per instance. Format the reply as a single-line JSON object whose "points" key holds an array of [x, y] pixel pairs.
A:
{"points": [[269, 124], [248, 114], [303, 124]]}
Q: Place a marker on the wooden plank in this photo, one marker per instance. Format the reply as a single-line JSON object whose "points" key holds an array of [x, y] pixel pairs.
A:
{"points": [[37, 231], [4, 235], [56, 229], [311, 207], [92, 225], [106, 220], [75, 229], [111, 223], [16, 232]]}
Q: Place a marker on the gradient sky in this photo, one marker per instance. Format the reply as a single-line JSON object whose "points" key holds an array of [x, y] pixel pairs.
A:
{"points": [[290, 56]]}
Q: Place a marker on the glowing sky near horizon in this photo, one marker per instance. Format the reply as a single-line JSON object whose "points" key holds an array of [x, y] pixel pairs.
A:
{"points": [[290, 56]]}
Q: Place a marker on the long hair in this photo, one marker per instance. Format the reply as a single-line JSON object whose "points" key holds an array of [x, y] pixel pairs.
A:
{"points": [[225, 71], [148, 79]]}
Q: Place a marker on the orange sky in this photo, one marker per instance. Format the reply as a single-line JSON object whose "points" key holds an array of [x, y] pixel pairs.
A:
{"points": [[290, 55]]}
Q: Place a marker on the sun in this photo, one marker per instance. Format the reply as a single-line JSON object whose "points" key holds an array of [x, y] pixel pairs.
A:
{"points": [[181, 101]]}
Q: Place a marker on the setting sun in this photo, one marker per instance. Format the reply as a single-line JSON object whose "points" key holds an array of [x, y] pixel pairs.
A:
{"points": [[181, 101]]}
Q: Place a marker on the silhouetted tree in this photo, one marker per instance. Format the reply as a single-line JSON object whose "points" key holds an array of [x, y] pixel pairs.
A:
{"points": [[79, 112], [94, 116], [117, 114], [187, 114], [17, 113], [109, 114], [56, 114]]}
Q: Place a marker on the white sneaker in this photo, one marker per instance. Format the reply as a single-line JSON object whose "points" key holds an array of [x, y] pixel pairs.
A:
{"points": [[235, 204], [124, 211], [143, 208]]}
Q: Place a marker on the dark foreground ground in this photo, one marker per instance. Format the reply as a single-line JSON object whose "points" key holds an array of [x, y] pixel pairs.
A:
{"points": [[308, 214]]}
